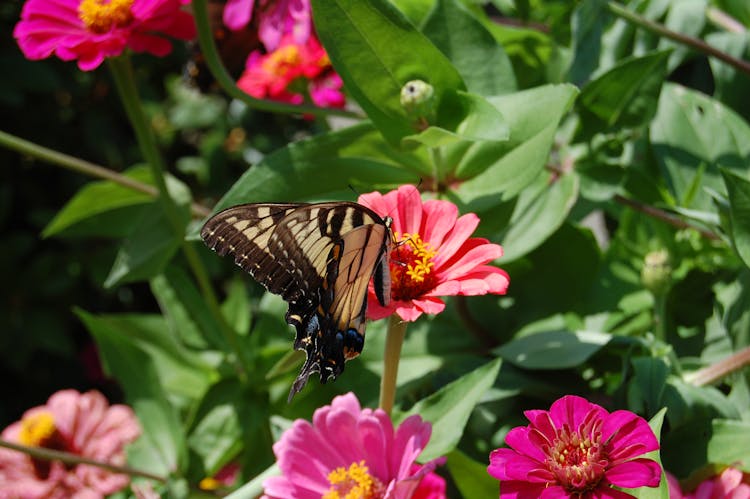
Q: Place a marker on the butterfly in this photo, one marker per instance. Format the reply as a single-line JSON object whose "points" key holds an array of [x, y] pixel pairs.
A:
{"points": [[319, 258]]}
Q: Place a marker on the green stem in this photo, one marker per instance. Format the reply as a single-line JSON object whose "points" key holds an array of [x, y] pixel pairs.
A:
{"points": [[227, 83], [81, 166], [74, 459], [122, 71], [660, 316], [694, 43], [394, 339]]}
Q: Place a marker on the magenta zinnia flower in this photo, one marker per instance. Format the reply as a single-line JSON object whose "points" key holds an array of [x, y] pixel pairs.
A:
{"points": [[576, 450], [82, 424], [435, 255], [91, 30], [276, 19], [348, 451], [292, 70]]}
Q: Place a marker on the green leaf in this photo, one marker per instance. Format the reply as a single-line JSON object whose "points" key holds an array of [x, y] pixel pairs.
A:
{"points": [[730, 444], [254, 488], [236, 308], [376, 50], [185, 309], [739, 212], [588, 22], [499, 171], [449, 408], [231, 417], [692, 136], [650, 377], [626, 94], [146, 251], [96, 199], [181, 372], [481, 61], [481, 121], [541, 210], [553, 349], [162, 441], [471, 477], [325, 167]]}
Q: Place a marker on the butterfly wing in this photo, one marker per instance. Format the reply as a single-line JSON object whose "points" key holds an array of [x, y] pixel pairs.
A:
{"points": [[335, 332], [319, 258]]}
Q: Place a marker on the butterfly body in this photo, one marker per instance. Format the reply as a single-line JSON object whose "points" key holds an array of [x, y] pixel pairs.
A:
{"points": [[319, 258]]}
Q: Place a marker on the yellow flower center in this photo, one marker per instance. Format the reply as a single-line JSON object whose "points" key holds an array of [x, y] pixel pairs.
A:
{"points": [[37, 430], [411, 267], [101, 16], [353, 483], [282, 60], [209, 483]]}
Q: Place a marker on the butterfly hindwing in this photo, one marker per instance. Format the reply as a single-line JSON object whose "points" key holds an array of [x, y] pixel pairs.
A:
{"points": [[319, 258]]}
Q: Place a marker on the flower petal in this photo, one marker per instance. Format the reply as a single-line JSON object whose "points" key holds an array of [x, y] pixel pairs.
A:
{"points": [[639, 472]]}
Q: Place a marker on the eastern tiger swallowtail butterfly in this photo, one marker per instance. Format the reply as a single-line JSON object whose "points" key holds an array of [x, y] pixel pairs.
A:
{"points": [[319, 258]]}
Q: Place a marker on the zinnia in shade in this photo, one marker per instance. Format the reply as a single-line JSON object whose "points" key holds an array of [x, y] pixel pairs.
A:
{"points": [[81, 424], [291, 71], [730, 484], [576, 450], [276, 19], [349, 452], [435, 255], [92, 30]]}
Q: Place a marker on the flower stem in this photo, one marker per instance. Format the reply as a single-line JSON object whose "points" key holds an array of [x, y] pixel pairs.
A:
{"points": [[660, 316], [692, 42], [56, 158], [720, 369], [227, 83], [68, 458], [394, 339], [664, 216], [122, 72]]}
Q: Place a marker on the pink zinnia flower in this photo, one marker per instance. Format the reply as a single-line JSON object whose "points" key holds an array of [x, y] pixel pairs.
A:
{"points": [[730, 484], [91, 30], [350, 450], [82, 424], [576, 450], [276, 19], [434, 255], [291, 70]]}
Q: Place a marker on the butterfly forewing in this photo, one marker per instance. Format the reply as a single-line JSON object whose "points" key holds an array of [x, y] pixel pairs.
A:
{"points": [[319, 258]]}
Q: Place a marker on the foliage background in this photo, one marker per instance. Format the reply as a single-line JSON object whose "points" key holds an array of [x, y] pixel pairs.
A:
{"points": [[638, 131]]}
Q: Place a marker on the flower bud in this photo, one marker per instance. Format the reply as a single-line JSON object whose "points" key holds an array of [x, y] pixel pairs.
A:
{"points": [[418, 99], [656, 274]]}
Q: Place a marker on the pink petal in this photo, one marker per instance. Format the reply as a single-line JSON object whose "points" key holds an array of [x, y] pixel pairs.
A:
{"points": [[518, 439], [636, 473], [572, 410], [237, 13], [483, 280], [439, 218], [470, 260], [462, 230], [447, 288], [629, 435], [409, 209], [520, 490]]}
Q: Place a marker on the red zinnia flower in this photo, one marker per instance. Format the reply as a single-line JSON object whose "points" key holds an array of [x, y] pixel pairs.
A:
{"points": [[434, 255], [292, 70], [576, 450], [91, 30], [82, 424]]}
